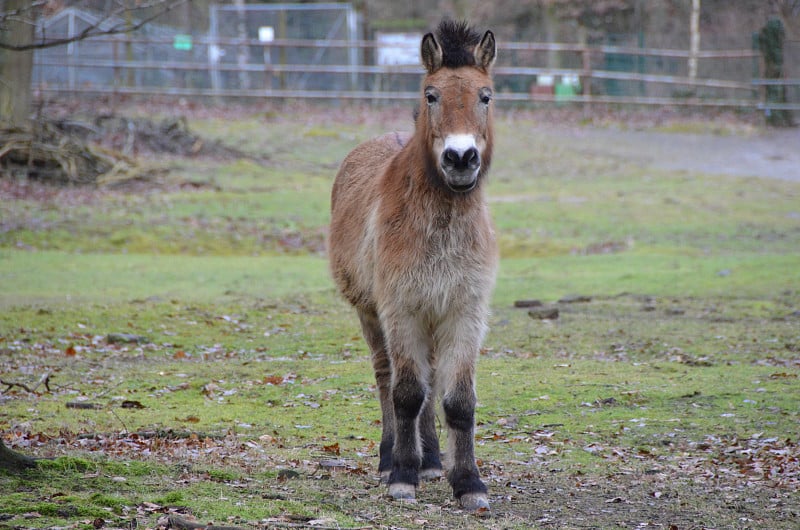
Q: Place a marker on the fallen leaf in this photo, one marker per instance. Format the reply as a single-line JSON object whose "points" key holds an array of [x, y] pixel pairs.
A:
{"points": [[333, 448], [273, 380]]}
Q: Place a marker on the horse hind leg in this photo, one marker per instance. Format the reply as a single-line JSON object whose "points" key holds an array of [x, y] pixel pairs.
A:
{"points": [[373, 334], [431, 467]]}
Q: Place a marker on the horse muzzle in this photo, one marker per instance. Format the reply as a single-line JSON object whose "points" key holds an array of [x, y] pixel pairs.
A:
{"points": [[460, 162]]}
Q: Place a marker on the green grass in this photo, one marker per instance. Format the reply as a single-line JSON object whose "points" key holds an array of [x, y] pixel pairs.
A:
{"points": [[58, 278], [682, 367]]}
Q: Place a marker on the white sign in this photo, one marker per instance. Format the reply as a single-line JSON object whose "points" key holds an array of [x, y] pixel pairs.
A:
{"points": [[266, 34], [398, 48]]}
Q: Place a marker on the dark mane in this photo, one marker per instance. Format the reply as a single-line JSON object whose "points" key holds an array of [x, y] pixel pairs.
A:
{"points": [[458, 43]]}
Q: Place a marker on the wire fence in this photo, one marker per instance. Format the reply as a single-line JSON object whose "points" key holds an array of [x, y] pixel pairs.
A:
{"points": [[295, 56]]}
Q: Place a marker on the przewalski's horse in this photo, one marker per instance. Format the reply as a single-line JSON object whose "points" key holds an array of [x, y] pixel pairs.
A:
{"points": [[412, 248]]}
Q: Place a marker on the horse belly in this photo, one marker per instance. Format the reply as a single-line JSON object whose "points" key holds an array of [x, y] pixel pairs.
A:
{"points": [[354, 200]]}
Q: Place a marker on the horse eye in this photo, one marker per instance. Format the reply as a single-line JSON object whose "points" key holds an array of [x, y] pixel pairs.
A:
{"points": [[486, 97], [432, 98]]}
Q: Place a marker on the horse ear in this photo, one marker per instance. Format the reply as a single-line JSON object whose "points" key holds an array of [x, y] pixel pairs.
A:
{"points": [[486, 51], [431, 53]]}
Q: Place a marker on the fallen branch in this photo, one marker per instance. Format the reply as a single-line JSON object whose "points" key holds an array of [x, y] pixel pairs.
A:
{"points": [[12, 384], [173, 521], [274, 524], [83, 405], [47, 153], [44, 379]]}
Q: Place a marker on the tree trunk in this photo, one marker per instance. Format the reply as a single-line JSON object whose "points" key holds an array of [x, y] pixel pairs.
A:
{"points": [[15, 67], [13, 461]]}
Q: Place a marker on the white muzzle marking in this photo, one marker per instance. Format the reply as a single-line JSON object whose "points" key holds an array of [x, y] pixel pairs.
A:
{"points": [[460, 162], [459, 142]]}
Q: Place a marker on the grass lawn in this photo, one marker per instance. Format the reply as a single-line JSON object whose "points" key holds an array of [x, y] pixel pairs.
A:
{"points": [[180, 351]]}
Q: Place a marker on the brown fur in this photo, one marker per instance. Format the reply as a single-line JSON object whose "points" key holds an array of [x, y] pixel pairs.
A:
{"points": [[416, 256]]}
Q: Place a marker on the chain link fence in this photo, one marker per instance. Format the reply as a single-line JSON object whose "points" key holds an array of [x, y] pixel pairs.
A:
{"points": [[317, 51]]}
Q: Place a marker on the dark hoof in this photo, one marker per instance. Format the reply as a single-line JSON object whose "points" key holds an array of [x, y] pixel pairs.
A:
{"points": [[402, 492], [475, 502], [431, 474]]}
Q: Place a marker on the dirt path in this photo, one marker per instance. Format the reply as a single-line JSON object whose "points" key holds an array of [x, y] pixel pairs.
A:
{"points": [[768, 154]]}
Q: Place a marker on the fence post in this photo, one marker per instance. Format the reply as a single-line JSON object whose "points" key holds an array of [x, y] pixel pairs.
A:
{"points": [[586, 65], [214, 51], [71, 51], [352, 34], [770, 42], [694, 40]]}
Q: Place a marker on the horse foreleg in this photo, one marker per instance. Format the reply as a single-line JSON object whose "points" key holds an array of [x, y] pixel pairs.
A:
{"points": [[409, 350], [408, 397], [459, 409], [457, 344]]}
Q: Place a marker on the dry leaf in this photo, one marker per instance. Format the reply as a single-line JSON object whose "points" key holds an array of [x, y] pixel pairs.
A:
{"points": [[333, 448]]}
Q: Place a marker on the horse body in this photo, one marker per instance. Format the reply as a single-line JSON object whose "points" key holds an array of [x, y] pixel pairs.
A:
{"points": [[412, 249]]}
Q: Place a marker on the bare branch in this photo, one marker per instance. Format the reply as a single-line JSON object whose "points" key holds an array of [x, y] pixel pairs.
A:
{"points": [[17, 14], [45, 378], [95, 31], [12, 384]]}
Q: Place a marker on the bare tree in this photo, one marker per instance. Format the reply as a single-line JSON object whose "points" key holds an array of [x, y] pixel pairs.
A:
{"points": [[18, 19], [13, 461], [16, 30]]}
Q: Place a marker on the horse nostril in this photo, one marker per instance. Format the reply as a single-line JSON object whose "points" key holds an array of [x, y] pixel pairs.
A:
{"points": [[470, 159], [451, 157]]}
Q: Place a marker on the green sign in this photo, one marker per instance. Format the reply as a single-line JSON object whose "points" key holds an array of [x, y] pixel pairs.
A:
{"points": [[183, 42]]}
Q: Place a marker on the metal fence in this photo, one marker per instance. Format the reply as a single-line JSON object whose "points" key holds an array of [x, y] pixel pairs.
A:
{"points": [[313, 51]]}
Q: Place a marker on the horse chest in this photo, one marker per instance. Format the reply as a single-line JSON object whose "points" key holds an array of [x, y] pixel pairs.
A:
{"points": [[434, 265]]}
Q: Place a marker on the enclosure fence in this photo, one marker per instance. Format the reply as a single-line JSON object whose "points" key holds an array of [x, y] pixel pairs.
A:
{"points": [[290, 51]]}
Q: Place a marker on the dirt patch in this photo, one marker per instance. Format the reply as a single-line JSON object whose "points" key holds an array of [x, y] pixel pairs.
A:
{"points": [[719, 483]]}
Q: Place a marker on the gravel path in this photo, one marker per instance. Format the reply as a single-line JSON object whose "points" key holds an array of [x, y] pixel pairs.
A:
{"points": [[773, 153]]}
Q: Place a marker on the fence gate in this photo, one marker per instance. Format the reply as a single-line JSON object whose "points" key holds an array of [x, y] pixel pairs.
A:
{"points": [[242, 55]]}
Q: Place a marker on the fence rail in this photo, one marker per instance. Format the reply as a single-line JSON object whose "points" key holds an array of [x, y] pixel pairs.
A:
{"points": [[206, 71]]}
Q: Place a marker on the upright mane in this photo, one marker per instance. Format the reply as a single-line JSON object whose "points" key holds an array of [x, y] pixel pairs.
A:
{"points": [[458, 43]]}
